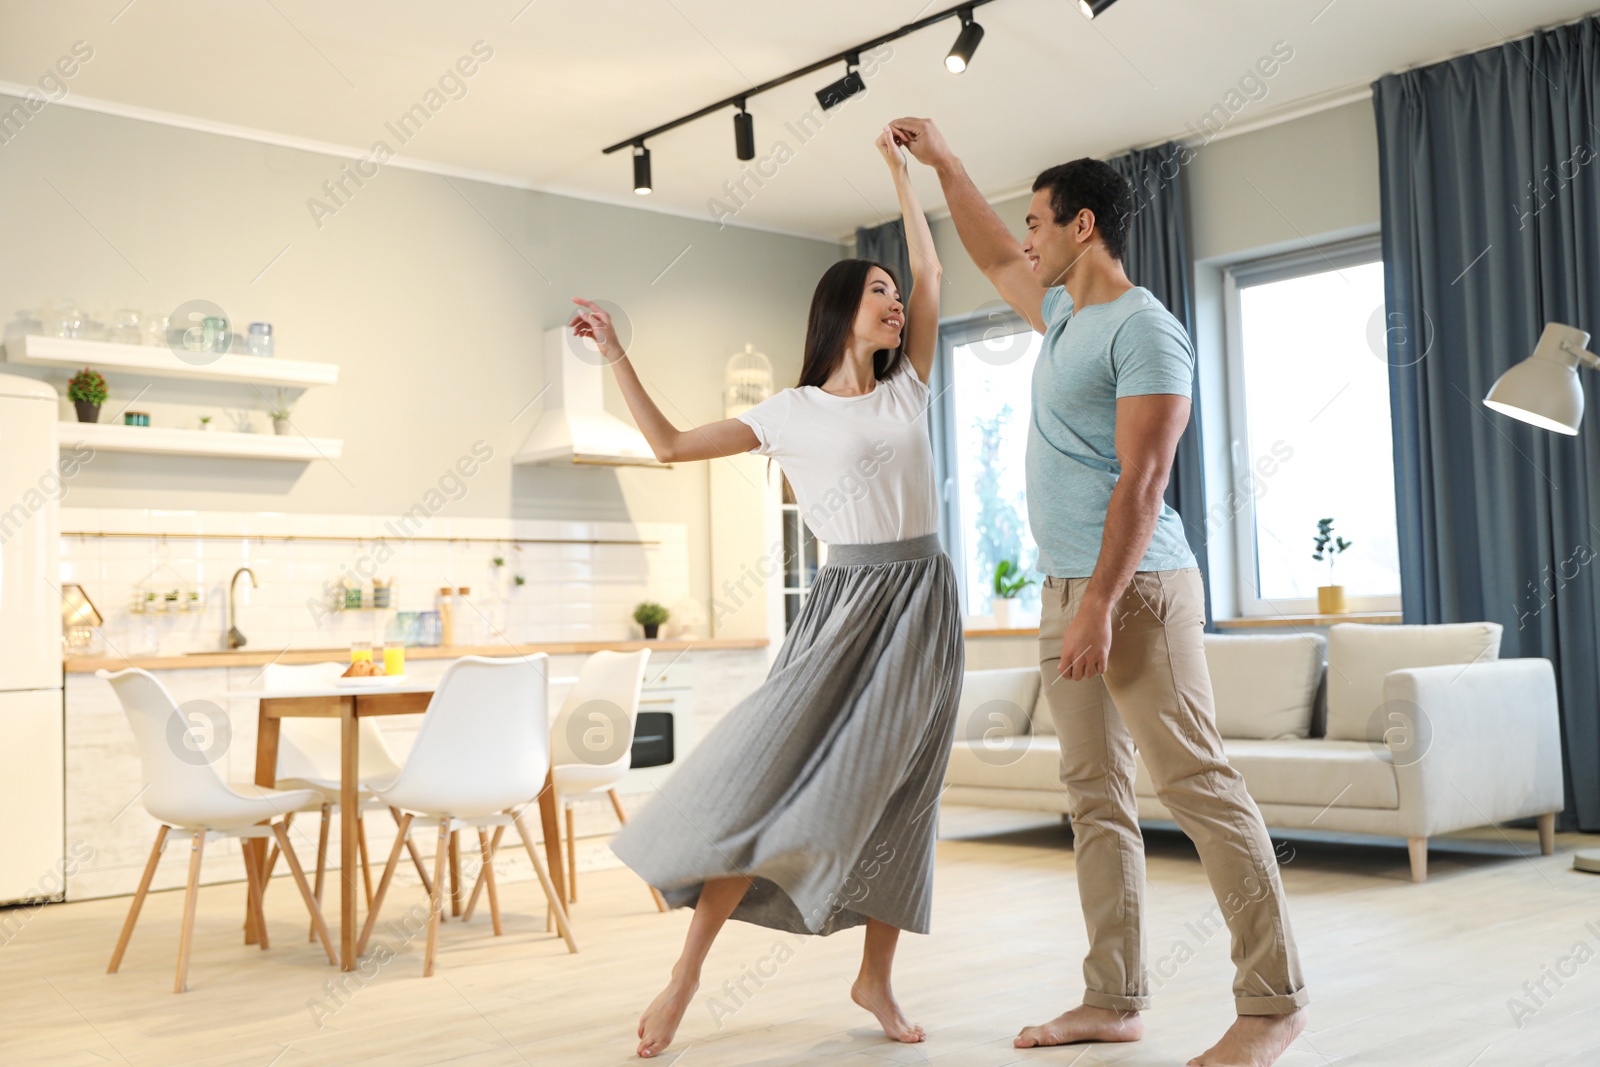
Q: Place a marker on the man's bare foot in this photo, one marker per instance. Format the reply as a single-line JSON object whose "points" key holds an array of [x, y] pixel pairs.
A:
{"points": [[1253, 1041], [875, 995], [1083, 1023], [660, 1020]]}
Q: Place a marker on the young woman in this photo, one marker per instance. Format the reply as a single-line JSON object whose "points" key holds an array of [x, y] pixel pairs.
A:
{"points": [[811, 808]]}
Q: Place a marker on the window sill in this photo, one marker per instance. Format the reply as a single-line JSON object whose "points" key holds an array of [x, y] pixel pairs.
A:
{"points": [[1280, 622]]}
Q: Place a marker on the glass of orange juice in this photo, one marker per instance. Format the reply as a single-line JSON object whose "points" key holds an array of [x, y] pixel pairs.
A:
{"points": [[361, 652], [394, 659]]}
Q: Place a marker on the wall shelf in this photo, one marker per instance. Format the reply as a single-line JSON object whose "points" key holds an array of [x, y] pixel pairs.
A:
{"points": [[159, 440], [154, 361]]}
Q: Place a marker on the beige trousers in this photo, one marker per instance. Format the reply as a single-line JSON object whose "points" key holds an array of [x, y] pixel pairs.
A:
{"points": [[1156, 695]]}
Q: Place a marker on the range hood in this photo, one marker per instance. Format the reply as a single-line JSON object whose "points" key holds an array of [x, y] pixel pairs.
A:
{"points": [[575, 428]]}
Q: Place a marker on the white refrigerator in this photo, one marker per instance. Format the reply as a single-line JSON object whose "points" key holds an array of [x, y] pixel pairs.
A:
{"points": [[32, 716]]}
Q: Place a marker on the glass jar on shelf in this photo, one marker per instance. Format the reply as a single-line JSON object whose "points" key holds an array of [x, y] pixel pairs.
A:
{"points": [[259, 340]]}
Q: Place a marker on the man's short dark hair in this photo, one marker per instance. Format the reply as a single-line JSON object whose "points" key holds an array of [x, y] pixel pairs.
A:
{"points": [[1092, 184]]}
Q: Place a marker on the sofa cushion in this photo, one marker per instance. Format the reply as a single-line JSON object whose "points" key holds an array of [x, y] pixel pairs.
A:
{"points": [[1265, 685], [1307, 771], [1043, 724], [1360, 657], [995, 704], [1024, 763]]}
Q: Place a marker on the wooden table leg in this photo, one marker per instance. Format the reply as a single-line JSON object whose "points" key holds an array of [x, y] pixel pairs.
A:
{"points": [[552, 835], [349, 875], [266, 775]]}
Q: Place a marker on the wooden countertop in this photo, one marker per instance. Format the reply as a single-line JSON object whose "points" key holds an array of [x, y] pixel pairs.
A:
{"points": [[247, 658]]}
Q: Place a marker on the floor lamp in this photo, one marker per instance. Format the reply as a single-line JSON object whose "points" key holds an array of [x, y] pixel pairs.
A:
{"points": [[1543, 390]]}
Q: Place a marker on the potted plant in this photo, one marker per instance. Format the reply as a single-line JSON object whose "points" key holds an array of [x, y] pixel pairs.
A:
{"points": [[205, 422], [1330, 597], [279, 413], [87, 391], [1009, 582], [650, 615]]}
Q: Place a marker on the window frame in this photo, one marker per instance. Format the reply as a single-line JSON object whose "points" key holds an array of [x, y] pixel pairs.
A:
{"points": [[1317, 259], [954, 332]]}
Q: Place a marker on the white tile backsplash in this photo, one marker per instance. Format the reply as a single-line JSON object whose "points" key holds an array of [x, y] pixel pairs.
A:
{"points": [[572, 592]]}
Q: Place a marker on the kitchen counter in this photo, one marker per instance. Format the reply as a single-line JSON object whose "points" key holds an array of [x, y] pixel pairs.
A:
{"points": [[249, 658]]}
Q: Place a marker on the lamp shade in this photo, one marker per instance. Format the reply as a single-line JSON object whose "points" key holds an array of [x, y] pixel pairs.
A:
{"points": [[1543, 390], [77, 610]]}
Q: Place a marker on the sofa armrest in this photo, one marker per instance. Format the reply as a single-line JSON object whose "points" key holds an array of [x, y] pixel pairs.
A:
{"points": [[1474, 744]]}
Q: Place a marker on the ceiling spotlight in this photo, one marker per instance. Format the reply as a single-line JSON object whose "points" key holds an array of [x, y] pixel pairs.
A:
{"points": [[744, 134], [641, 169], [1091, 8], [833, 95], [966, 43]]}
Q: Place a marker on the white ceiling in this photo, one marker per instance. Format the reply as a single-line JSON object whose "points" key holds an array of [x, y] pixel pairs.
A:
{"points": [[569, 77]]}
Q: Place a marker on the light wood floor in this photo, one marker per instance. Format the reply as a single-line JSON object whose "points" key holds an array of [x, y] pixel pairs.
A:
{"points": [[1399, 974]]}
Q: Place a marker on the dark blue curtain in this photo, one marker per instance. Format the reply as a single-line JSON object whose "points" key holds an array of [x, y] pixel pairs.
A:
{"points": [[1157, 258], [886, 244], [1491, 228]]}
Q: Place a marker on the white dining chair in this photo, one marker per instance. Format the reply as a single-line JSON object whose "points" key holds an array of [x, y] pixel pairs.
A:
{"points": [[592, 742], [309, 758], [184, 792], [480, 758]]}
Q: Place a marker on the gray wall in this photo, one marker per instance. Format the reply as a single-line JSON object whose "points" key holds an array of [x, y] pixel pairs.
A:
{"points": [[429, 292]]}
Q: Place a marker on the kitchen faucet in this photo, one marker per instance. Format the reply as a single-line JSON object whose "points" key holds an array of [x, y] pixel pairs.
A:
{"points": [[235, 637]]}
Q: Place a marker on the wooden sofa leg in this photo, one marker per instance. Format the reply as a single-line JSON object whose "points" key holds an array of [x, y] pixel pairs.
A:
{"points": [[1547, 833], [1418, 847]]}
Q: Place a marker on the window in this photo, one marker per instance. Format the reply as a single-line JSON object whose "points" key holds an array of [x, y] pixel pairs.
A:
{"points": [[1308, 421], [800, 560], [982, 385]]}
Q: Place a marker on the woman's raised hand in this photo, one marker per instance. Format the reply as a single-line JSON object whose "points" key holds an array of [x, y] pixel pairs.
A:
{"points": [[890, 150], [593, 322]]}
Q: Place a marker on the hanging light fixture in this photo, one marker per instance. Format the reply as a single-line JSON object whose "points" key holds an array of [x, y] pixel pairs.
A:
{"points": [[641, 169], [744, 133], [1091, 8], [831, 96], [1543, 390], [966, 43]]}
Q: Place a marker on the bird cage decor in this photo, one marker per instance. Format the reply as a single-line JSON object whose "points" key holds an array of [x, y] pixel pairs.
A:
{"points": [[747, 382]]}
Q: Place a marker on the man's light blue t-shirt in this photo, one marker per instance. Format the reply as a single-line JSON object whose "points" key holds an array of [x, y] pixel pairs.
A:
{"points": [[1131, 346]]}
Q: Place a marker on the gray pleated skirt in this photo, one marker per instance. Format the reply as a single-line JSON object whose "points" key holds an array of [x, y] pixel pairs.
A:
{"points": [[823, 785]]}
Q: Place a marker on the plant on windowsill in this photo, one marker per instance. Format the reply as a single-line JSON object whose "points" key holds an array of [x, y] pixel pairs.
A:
{"points": [[1009, 582], [1330, 597], [87, 391], [650, 615]]}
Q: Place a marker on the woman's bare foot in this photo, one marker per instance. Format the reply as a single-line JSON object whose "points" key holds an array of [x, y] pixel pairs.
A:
{"points": [[875, 995], [1083, 1023], [660, 1020], [1253, 1041]]}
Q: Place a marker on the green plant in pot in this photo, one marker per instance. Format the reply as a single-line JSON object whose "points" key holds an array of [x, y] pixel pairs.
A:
{"points": [[87, 391], [1330, 597], [1009, 582], [650, 615], [279, 412]]}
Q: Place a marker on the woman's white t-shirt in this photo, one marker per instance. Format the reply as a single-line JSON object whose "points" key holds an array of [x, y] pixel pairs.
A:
{"points": [[861, 466]]}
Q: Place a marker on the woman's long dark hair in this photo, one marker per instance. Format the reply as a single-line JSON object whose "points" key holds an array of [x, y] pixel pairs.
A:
{"points": [[833, 316]]}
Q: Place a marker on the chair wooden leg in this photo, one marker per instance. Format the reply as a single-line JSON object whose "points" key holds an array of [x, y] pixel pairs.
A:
{"points": [[322, 864], [477, 886], [1418, 847], [572, 858], [441, 851], [622, 817], [554, 898], [487, 877], [252, 875], [281, 832], [366, 864], [191, 895], [455, 873], [416, 856], [1547, 833], [138, 899], [402, 837]]}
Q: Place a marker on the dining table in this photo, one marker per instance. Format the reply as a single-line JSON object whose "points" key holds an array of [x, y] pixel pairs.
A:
{"points": [[350, 701]]}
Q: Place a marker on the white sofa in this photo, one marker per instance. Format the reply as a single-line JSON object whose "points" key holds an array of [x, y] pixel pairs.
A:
{"points": [[1400, 731]]}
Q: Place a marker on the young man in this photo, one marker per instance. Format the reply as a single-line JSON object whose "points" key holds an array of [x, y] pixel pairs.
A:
{"points": [[1120, 643]]}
